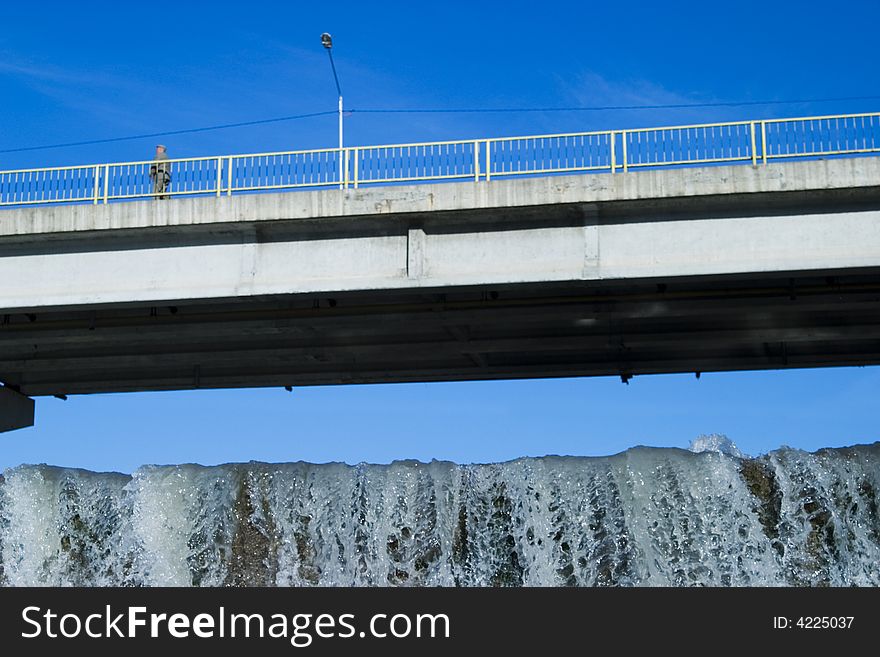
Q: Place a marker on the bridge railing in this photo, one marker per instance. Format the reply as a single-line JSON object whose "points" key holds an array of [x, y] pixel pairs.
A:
{"points": [[613, 151]]}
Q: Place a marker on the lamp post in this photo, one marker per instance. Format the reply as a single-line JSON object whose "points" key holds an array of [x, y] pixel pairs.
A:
{"points": [[327, 42]]}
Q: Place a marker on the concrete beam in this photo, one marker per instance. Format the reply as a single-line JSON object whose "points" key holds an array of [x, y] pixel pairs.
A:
{"points": [[712, 221], [419, 259], [16, 410]]}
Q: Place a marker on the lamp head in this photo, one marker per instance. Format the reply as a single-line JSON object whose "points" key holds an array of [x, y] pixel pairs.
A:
{"points": [[326, 40]]}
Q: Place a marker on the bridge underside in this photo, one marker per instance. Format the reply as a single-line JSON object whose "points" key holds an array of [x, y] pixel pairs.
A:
{"points": [[515, 331]]}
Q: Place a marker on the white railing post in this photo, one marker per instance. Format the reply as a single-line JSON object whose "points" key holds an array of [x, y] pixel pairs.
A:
{"points": [[623, 149], [219, 176], [229, 176], [345, 169], [106, 182], [488, 160], [355, 165], [613, 144], [754, 151], [97, 190], [763, 142], [476, 161], [339, 159]]}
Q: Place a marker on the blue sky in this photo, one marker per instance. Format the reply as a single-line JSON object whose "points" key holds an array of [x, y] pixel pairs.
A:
{"points": [[79, 72]]}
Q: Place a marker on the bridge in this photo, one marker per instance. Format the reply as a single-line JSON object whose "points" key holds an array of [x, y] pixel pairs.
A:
{"points": [[727, 246]]}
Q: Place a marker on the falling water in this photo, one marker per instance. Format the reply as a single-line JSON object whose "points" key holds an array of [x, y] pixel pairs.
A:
{"points": [[656, 517]]}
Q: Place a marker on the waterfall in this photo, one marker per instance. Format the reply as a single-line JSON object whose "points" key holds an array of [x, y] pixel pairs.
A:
{"points": [[645, 517]]}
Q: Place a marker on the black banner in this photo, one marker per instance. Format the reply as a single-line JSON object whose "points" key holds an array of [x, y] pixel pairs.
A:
{"points": [[433, 621]]}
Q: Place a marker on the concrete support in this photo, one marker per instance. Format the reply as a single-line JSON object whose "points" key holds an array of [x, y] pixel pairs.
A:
{"points": [[16, 410], [415, 253]]}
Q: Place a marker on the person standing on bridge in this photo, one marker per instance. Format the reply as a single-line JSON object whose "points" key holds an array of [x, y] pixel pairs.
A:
{"points": [[160, 172]]}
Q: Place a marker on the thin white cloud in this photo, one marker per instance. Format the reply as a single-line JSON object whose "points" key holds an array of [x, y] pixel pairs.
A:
{"points": [[38, 74], [591, 89]]}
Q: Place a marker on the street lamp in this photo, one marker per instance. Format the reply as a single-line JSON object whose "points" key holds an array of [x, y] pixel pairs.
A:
{"points": [[327, 42]]}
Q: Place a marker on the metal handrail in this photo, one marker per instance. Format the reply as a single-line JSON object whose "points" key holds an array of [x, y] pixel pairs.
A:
{"points": [[612, 151]]}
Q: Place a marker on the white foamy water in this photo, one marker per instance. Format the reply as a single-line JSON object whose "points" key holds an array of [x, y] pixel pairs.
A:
{"points": [[658, 517]]}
